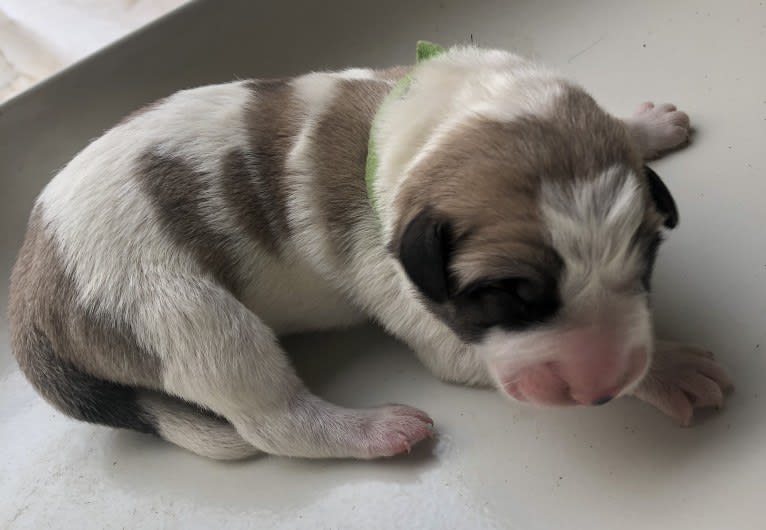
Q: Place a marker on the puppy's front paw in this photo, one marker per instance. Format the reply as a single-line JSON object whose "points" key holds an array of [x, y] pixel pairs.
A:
{"points": [[394, 429], [659, 128], [681, 379]]}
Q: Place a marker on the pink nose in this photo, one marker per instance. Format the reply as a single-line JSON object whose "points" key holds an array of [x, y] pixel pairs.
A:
{"points": [[596, 367], [591, 367]]}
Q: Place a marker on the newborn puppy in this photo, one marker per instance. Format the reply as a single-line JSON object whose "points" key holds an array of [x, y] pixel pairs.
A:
{"points": [[506, 231]]}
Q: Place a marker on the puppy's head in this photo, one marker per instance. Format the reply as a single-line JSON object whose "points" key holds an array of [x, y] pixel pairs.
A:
{"points": [[532, 234]]}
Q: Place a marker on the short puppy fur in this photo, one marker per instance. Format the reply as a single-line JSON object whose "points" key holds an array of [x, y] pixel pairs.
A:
{"points": [[510, 244]]}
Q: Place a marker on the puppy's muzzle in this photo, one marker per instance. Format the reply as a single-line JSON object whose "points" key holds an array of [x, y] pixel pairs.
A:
{"points": [[590, 367]]}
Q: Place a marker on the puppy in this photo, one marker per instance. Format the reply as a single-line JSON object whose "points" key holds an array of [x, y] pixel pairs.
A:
{"points": [[506, 231]]}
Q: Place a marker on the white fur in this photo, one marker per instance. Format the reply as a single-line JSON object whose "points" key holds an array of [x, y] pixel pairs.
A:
{"points": [[295, 298], [591, 225], [356, 73], [200, 433]]}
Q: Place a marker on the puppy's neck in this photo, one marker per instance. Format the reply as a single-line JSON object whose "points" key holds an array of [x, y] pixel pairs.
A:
{"points": [[425, 51]]}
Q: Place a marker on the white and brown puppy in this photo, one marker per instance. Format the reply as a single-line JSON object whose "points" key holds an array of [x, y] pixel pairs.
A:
{"points": [[508, 239]]}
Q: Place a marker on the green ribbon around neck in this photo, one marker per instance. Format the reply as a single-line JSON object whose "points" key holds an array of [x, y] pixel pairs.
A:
{"points": [[425, 50]]}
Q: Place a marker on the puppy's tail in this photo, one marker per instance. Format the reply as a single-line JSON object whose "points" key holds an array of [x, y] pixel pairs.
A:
{"points": [[87, 398]]}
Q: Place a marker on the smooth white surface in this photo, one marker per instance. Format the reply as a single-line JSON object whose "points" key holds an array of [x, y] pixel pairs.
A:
{"points": [[494, 464], [39, 37]]}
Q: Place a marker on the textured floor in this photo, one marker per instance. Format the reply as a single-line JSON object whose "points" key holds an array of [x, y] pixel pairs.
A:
{"points": [[493, 465]]}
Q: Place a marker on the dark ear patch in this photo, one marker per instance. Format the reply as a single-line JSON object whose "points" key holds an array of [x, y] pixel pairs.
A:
{"points": [[662, 198], [424, 253]]}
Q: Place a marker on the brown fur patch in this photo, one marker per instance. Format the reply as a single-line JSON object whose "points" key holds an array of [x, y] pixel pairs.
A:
{"points": [[178, 194], [486, 178], [62, 347], [254, 181], [339, 156], [251, 192]]}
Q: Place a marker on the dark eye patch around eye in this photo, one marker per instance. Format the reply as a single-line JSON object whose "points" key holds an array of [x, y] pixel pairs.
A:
{"points": [[509, 303]]}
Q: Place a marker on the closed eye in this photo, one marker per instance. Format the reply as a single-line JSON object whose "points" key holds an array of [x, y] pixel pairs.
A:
{"points": [[505, 286], [508, 302]]}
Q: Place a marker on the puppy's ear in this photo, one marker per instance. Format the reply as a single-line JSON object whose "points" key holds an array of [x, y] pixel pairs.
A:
{"points": [[424, 251], [662, 198]]}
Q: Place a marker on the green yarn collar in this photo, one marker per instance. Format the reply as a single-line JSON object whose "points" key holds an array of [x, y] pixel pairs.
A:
{"points": [[425, 51]]}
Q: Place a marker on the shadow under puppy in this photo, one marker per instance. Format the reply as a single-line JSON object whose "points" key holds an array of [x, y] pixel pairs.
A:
{"points": [[506, 230]]}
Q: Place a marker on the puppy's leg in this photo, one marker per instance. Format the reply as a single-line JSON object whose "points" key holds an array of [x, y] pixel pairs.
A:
{"points": [[681, 379], [393, 304], [219, 354], [658, 128], [437, 346]]}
